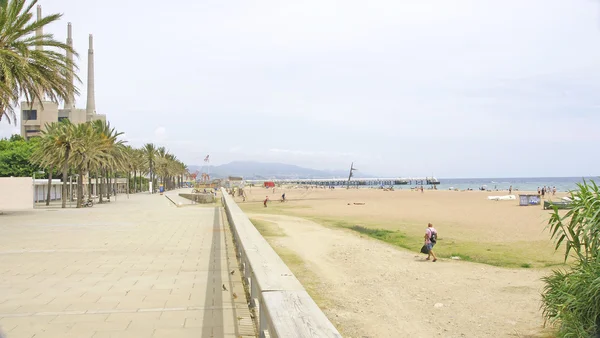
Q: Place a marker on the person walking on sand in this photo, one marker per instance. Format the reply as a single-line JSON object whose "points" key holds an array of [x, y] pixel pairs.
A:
{"points": [[510, 190], [543, 191], [430, 240], [265, 201]]}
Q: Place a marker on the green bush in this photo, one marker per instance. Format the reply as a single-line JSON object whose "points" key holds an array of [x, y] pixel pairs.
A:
{"points": [[571, 298]]}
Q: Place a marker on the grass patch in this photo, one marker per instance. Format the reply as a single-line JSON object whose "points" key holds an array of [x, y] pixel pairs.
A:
{"points": [[266, 228], [512, 255], [518, 254], [294, 262]]}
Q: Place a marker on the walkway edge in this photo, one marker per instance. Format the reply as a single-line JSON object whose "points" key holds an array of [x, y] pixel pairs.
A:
{"points": [[284, 307]]}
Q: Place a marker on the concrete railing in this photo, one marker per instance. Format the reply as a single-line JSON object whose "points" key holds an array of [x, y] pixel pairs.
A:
{"points": [[283, 306]]}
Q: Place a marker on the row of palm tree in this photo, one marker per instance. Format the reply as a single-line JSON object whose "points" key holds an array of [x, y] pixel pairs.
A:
{"points": [[94, 149], [35, 66]]}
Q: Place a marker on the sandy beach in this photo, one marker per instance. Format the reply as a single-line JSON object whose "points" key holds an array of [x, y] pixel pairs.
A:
{"points": [[373, 289], [495, 232]]}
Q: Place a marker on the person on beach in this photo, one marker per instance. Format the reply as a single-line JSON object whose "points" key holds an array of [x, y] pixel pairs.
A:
{"points": [[543, 191], [510, 190], [430, 240], [265, 201], [283, 197]]}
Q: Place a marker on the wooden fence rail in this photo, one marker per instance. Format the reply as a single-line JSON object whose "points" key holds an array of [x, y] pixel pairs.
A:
{"points": [[283, 306]]}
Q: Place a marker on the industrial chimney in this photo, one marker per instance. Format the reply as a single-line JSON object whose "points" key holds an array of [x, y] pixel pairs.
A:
{"points": [[38, 33], [90, 108], [70, 100]]}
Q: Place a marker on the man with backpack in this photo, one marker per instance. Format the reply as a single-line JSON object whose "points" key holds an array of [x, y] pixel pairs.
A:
{"points": [[430, 240]]}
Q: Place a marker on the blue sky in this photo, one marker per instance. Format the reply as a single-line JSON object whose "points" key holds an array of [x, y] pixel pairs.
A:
{"points": [[464, 88]]}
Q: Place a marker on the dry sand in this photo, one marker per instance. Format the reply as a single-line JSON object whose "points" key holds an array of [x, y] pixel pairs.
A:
{"points": [[459, 215], [373, 289]]}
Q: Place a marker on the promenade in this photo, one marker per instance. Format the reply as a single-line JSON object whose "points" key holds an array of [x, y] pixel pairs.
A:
{"points": [[140, 267]]}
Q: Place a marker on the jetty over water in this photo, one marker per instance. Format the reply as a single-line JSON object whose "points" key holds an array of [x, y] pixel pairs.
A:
{"points": [[353, 181]]}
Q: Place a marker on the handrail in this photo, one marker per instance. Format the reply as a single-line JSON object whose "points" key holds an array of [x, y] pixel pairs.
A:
{"points": [[283, 306]]}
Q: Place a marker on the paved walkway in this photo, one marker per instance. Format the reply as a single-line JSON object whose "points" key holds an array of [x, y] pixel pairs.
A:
{"points": [[140, 267]]}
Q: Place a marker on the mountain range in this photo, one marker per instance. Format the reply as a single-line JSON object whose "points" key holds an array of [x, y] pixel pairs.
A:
{"points": [[260, 170]]}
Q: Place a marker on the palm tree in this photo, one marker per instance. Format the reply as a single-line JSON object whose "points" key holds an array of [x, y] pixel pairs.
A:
{"points": [[113, 149], [47, 155], [64, 142], [25, 70], [88, 150], [149, 151], [137, 164]]}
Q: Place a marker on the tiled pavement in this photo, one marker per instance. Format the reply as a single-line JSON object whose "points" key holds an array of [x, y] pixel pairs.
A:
{"points": [[140, 267]]}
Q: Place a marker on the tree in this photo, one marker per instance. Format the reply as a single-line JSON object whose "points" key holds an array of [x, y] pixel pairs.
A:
{"points": [[15, 155], [89, 149], [26, 70], [113, 150], [47, 154], [571, 298], [149, 151]]}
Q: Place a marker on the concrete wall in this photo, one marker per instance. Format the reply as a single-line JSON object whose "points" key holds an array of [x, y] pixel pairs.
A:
{"points": [[200, 198], [285, 309], [16, 193]]}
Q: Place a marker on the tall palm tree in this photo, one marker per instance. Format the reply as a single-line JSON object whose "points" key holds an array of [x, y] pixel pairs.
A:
{"points": [[64, 142], [25, 70], [89, 150], [113, 150], [137, 162], [47, 155], [149, 150]]}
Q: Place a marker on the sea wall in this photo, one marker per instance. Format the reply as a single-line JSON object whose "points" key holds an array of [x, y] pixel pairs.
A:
{"points": [[284, 307]]}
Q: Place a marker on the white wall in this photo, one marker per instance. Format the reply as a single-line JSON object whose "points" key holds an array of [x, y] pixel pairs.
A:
{"points": [[16, 193]]}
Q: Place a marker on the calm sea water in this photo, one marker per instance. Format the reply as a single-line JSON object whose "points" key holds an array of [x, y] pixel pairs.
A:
{"points": [[502, 184], [521, 184]]}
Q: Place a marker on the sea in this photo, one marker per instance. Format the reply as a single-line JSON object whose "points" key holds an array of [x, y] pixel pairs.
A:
{"points": [[562, 184]]}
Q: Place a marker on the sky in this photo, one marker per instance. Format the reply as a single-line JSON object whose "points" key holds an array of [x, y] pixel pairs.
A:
{"points": [[462, 88]]}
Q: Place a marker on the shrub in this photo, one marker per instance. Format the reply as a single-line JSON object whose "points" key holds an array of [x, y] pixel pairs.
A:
{"points": [[571, 298]]}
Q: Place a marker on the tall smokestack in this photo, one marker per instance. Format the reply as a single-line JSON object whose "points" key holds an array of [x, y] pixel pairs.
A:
{"points": [[90, 108], [70, 100], [38, 33]]}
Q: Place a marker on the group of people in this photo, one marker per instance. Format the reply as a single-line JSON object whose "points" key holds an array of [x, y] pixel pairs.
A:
{"points": [[266, 200], [546, 191]]}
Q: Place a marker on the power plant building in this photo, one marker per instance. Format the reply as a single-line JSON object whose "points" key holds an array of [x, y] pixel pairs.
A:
{"points": [[35, 116]]}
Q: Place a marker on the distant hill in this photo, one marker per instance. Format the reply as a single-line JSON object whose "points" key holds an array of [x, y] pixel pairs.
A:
{"points": [[259, 170]]}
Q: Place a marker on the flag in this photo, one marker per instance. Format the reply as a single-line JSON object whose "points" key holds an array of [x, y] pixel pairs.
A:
{"points": [[206, 158]]}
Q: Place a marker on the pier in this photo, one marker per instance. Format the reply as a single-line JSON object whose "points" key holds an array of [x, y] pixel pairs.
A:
{"points": [[353, 181]]}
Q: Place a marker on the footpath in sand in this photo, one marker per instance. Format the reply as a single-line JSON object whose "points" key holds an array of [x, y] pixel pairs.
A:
{"points": [[138, 267], [372, 289]]}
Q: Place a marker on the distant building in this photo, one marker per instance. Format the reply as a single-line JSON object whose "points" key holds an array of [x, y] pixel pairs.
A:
{"points": [[235, 182], [34, 117]]}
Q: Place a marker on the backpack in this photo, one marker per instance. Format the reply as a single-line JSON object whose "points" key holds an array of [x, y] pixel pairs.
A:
{"points": [[433, 237]]}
